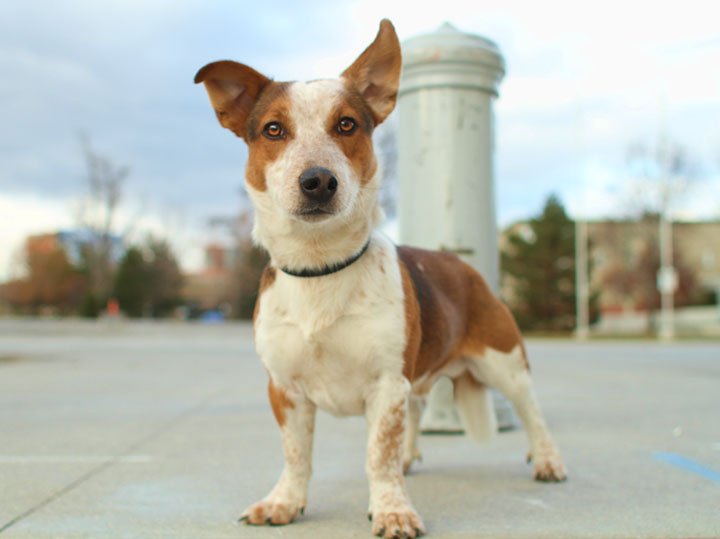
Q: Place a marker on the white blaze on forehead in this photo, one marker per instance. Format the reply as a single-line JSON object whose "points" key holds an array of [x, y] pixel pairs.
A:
{"points": [[312, 103], [312, 110]]}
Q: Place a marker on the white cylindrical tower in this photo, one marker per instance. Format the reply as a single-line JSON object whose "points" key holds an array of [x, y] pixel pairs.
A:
{"points": [[446, 166], [446, 146]]}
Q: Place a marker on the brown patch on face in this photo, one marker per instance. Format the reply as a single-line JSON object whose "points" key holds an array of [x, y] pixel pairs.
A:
{"points": [[459, 315], [280, 402], [357, 146], [273, 105], [266, 280]]}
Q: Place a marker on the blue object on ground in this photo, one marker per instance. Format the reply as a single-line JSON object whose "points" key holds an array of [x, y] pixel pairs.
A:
{"points": [[212, 317], [689, 465]]}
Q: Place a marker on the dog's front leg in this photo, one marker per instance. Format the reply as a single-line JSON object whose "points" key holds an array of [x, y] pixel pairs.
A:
{"points": [[390, 508], [295, 416]]}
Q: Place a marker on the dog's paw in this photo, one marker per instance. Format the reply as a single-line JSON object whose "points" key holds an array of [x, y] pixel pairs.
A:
{"points": [[400, 524], [548, 467], [273, 512]]}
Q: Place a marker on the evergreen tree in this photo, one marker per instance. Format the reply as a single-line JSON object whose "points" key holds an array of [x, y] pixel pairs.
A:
{"points": [[539, 264], [148, 280], [164, 278], [131, 283]]}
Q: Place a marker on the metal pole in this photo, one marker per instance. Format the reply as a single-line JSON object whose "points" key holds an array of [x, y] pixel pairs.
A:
{"points": [[445, 163], [667, 279], [582, 289]]}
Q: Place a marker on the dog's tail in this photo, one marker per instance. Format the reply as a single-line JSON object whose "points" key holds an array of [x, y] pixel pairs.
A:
{"points": [[475, 405]]}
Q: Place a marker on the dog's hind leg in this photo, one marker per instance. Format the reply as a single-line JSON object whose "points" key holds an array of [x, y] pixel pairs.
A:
{"points": [[411, 452], [509, 373], [475, 406]]}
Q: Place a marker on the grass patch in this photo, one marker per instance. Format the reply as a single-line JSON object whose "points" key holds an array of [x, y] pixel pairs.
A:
{"points": [[7, 359]]}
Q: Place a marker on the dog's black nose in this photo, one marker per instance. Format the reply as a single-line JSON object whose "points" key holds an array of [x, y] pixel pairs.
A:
{"points": [[318, 184]]}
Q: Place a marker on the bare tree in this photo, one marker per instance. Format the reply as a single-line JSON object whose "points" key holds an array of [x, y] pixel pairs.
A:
{"points": [[97, 216], [662, 175]]}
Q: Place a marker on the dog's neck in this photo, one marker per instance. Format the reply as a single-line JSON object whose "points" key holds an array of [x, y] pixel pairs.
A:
{"points": [[300, 246]]}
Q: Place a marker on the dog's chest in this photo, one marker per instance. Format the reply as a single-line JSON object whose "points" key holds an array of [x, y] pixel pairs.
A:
{"points": [[333, 338]]}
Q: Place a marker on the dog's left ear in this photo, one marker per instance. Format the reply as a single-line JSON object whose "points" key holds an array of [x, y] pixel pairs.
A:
{"points": [[376, 73], [233, 90]]}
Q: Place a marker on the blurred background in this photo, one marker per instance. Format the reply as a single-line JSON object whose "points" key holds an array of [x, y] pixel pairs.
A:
{"points": [[120, 195]]}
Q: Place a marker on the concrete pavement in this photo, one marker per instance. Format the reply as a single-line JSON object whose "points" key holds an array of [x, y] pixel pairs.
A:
{"points": [[163, 431]]}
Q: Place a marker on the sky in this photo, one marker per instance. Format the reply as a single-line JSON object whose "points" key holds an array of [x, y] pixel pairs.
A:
{"points": [[584, 82]]}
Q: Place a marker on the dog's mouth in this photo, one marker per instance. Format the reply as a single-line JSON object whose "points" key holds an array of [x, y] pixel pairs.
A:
{"points": [[314, 213]]}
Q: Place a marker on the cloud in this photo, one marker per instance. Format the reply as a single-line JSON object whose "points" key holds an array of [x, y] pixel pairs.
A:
{"points": [[583, 81]]}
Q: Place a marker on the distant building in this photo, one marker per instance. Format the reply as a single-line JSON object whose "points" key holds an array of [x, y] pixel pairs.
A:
{"points": [[621, 244], [73, 242], [211, 288], [620, 249]]}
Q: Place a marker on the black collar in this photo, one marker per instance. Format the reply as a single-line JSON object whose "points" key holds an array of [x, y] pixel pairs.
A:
{"points": [[327, 270]]}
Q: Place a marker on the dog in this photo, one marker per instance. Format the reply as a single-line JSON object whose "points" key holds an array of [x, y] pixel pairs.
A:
{"points": [[345, 320]]}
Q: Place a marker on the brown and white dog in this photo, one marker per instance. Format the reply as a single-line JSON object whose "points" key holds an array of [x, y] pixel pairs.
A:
{"points": [[346, 321]]}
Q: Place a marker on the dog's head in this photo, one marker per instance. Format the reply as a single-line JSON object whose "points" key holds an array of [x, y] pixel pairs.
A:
{"points": [[311, 160]]}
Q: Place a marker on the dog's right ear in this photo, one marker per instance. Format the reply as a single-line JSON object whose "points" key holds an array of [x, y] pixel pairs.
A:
{"points": [[376, 73], [233, 89]]}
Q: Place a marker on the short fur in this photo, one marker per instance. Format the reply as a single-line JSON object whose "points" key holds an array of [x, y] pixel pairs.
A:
{"points": [[373, 337]]}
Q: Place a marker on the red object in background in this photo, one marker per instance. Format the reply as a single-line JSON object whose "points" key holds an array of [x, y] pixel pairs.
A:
{"points": [[113, 307]]}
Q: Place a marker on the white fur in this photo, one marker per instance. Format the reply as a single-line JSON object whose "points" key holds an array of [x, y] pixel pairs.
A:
{"points": [[476, 408], [313, 104], [337, 343], [334, 342], [332, 338], [509, 373]]}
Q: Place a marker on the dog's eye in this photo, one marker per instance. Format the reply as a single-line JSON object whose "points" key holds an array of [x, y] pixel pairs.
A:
{"points": [[273, 130], [346, 126]]}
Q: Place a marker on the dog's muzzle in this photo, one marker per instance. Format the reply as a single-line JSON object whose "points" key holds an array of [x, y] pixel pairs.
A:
{"points": [[319, 186]]}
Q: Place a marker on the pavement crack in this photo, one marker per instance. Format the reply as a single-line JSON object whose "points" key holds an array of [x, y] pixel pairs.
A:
{"points": [[100, 468]]}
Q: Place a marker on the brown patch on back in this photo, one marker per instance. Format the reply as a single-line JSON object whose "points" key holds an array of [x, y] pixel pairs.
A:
{"points": [[280, 402], [413, 329], [459, 315]]}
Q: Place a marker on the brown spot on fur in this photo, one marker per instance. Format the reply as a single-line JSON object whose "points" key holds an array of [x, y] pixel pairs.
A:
{"points": [[390, 437], [458, 314], [279, 401], [413, 329], [358, 145], [273, 105], [266, 280], [354, 106], [273, 102]]}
